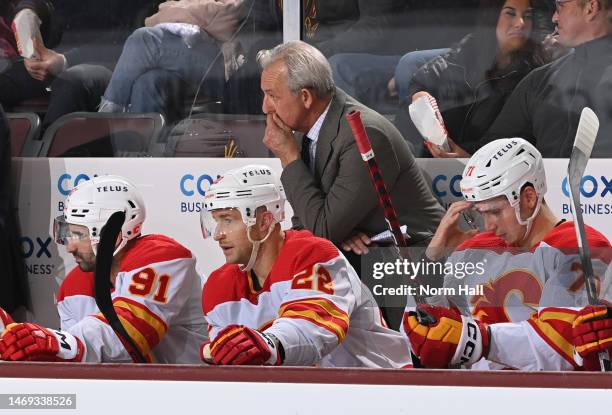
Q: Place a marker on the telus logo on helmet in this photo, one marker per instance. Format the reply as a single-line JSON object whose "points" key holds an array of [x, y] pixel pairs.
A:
{"points": [[102, 189], [505, 149], [258, 172]]}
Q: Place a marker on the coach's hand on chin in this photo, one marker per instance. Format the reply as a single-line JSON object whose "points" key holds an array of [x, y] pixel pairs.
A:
{"points": [[279, 138]]}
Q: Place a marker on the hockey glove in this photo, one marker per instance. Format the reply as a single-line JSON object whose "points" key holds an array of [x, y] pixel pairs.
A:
{"points": [[441, 337], [240, 345], [592, 333], [31, 342], [5, 319]]}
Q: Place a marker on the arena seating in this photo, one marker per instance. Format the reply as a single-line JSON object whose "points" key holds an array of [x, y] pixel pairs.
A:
{"points": [[84, 134], [25, 132]]}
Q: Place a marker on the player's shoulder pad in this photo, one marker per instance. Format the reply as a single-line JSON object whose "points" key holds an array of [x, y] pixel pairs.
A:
{"points": [[302, 249], [77, 282], [564, 236], [151, 249], [483, 240]]}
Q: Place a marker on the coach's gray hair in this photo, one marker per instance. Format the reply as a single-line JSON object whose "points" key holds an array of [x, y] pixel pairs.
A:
{"points": [[306, 67]]}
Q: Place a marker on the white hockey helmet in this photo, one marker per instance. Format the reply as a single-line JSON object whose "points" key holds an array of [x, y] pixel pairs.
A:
{"points": [[503, 167], [245, 189], [91, 204]]}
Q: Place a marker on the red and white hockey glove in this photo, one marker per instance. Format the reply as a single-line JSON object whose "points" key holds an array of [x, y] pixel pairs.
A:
{"points": [[31, 342], [441, 337], [592, 333], [5, 319], [241, 345]]}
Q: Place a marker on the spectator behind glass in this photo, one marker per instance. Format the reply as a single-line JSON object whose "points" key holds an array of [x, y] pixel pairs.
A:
{"points": [[473, 80], [183, 39], [20, 78]]}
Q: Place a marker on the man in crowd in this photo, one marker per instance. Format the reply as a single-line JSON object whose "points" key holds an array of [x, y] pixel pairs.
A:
{"points": [[527, 260], [156, 288], [284, 297]]}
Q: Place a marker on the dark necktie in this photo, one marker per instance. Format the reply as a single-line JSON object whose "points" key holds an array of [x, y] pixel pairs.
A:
{"points": [[306, 150]]}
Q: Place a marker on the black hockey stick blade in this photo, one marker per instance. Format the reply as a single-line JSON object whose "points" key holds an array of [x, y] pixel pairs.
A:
{"points": [[102, 283], [586, 133]]}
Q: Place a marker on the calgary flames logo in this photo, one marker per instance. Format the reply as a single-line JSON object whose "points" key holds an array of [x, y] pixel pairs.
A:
{"points": [[492, 307]]}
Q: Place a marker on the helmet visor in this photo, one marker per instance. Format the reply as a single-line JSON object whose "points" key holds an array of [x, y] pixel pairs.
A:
{"points": [[64, 233], [220, 221]]}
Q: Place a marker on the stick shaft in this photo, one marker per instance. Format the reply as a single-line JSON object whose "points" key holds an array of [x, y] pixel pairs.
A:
{"points": [[367, 154]]}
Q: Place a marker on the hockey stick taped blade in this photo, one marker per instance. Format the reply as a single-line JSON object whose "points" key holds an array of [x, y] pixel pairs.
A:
{"points": [[586, 133]]}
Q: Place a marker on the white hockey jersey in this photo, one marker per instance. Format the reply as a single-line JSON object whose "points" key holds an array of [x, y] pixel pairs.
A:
{"points": [[529, 297], [313, 302], [156, 297]]}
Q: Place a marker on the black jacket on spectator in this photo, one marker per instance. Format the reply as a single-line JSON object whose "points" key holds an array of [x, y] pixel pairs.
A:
{"points": [[545, 107], [470, 94], [14, 292]]}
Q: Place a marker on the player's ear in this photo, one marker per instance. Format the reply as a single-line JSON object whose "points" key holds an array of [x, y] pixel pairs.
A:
{"points": [[264, 220], [529, 197]]}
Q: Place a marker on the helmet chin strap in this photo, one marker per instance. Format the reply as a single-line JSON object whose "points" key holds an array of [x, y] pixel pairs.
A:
{"points": [[529, 221], [255, 248]]}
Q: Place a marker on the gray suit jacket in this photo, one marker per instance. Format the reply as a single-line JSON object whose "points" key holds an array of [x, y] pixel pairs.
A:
{"points": [[339, 199]]}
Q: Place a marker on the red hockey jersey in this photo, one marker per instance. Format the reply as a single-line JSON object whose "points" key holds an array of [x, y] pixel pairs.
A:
{"points": [[157, 299], [313, 302], [529, 297]]}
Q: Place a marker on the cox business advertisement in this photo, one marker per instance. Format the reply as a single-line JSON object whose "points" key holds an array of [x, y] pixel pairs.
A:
{"points": [[174, 191]]}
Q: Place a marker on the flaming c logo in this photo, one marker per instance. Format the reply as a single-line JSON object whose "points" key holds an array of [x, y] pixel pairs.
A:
{"points": [[491, 307]]}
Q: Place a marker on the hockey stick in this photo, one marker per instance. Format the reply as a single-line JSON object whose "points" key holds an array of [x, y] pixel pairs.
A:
{"points": [[367, 154], [581, 152], [102, 283], [369, 158]]}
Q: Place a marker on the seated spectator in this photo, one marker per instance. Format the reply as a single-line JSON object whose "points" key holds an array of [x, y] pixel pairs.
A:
{"points": [[473, 80], [545, 107], [183, 39], [20, 78]]}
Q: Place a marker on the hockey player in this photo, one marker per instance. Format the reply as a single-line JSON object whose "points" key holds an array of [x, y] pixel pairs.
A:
{"points": [[284, 297], [528, 262], [156, 288]]}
